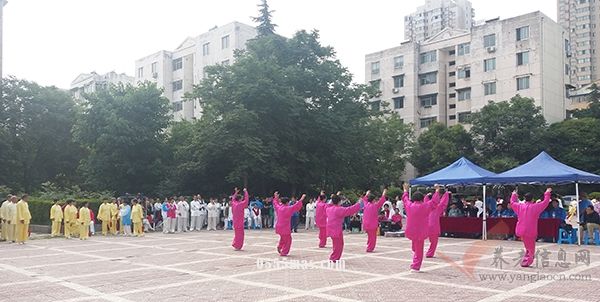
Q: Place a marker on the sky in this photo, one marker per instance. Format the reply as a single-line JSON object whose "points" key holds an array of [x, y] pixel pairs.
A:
{"points": [[52, 42]]}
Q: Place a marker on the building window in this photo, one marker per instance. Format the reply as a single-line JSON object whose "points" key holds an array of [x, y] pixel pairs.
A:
{"points": [[375, 67], [489, 88], [428, 57], [464, 117], [376, 105], [225, 62], [489, 40], [522, 33], [464, 49], [452, 52], [154, 68], [428, 100], [584, 78], [225, 42], [177, 64], [376, 84], [523, 83], [399, 81], [523, 58], [398, 102], [451, 63], [140, 72], [452, 84], [489, 64], [428, 78], [452, 106], [452, 95], [177, 85], [426, 122], [177, 106], [398, 62], [464, 73], [452, 117], [206, 49], [452, 73], [464, 94]]}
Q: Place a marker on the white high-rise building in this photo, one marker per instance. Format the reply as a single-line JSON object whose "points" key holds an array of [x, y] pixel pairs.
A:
{"points": [[177, 71], [437, 15], [87, 83], [580, 18]]}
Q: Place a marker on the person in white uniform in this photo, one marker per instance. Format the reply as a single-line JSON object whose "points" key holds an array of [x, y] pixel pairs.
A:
{"points": [[310, 215]]}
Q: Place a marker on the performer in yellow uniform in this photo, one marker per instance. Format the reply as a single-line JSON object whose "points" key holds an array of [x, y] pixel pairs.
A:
{"points": [[104, 216], [70, 219], [4, 218], [11, 214], [23, 220], [137, 217], [56, 216], [114, 216], [84, 221]]}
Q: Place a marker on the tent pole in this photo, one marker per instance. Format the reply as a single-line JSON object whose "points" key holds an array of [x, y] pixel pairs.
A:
{"points": [[409, 192], [579, 228], [484, 234]]}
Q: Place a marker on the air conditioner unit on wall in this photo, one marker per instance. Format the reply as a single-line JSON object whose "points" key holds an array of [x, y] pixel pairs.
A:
{"points": [[155, 75], [491, 49], [395, 90]]}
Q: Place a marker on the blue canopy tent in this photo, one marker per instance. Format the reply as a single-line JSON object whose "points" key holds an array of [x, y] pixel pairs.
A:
{"points": [[462, 172], [543, 169]]}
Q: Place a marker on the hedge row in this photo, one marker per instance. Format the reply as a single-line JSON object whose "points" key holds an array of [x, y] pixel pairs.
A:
{"points": [[40, 209]]}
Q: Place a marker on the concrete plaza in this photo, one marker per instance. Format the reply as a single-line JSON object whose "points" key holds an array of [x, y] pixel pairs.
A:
{"points": [[201, 266]]}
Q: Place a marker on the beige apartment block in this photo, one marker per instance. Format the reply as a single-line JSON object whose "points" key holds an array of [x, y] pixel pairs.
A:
{"points": [[436, 15]]}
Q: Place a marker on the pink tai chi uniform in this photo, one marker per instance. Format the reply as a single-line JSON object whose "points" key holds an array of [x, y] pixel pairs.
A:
{"points": [[527, 223], [335, 217], [434, 221], [237, 209], [417, 226], [284, 217], [321, 221], [371, 220]]}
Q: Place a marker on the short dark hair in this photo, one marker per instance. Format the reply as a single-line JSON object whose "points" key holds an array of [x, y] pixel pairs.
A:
{"points": [[371, 197], [418, 196], [528, 197], [284, 200], [335, 199]]}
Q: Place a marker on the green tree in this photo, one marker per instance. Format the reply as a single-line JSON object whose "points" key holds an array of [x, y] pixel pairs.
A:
{"points": [[123, 129], [593, 109], [265, 25], [511, 130], [576, 142], [439, 146], [36, 143]]}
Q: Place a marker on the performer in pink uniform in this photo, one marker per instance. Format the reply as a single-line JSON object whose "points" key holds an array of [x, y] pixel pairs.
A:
{"points": [[417, 223], [370, 219], [335, 217], [237, 207], [434, 220], [321, 218], [528, 214], [284, 216]]}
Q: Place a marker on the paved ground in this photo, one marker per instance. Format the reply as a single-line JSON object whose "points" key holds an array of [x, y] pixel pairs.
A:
{"points": [[203, 267]]}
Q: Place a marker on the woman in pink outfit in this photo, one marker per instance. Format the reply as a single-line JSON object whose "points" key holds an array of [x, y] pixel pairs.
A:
{"points": [[284, 215], [417, 223], [527, 221], [335, 217], [370, 219], [434, 220], [237, 207], [321, 218]]}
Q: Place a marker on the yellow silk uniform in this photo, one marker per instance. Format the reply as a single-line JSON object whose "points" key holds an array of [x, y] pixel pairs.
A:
{"points": [[4, 220], [11, 214], [70, 220], [137, 217], [56, 216], [104, 216], [23, 220], [114, 215], [84, 223]]}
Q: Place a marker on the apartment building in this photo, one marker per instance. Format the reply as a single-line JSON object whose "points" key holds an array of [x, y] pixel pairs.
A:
{"points": [[456, 72], [178, 70], [580, 18], [87, 83], [436, 15]]}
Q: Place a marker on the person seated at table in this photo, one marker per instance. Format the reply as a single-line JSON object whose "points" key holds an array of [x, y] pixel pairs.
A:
{"points": [[396, 224], [470, 210], [498, 212], [591, 222], [384, 222], [455, 211]]}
